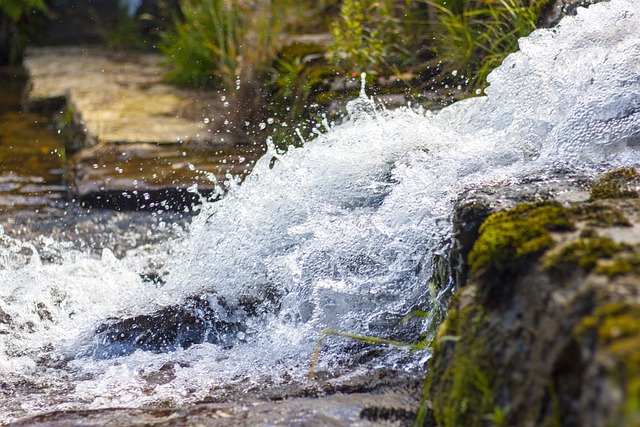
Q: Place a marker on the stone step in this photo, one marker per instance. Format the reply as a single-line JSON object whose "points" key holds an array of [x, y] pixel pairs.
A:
{"points": [[129, 133]]}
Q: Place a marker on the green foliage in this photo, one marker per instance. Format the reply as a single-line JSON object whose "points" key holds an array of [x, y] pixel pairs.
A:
{"points": [[16, 9], [366, 37], [125, 35], [474, 36], [216, 41], [203, 46]]}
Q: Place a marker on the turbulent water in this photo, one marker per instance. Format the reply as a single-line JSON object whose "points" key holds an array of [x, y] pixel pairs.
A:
{"points": [[339, 234]]}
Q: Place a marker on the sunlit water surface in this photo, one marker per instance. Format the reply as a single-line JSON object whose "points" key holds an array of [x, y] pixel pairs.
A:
{"points": [[339, 234]]}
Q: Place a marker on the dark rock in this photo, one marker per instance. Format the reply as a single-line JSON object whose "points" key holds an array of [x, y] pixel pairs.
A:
{"points": [[155, 177], [198, 320], [561, 346], [556, 9], [4, 317]]}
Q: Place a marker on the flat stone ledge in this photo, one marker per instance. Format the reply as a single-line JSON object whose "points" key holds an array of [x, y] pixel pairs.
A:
{"points": [[133, 141], [118, 97], [358, 409]]}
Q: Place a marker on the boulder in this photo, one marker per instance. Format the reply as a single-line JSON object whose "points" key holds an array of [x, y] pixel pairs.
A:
{"points": [[545, 330]]}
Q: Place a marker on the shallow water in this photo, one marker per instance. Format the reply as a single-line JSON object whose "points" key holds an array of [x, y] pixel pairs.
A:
{"points": [[340, 234], [31, 152]]}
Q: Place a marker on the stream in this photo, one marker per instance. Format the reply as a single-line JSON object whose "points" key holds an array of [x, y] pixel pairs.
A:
{"points": [[28, 143], [340, 234]]}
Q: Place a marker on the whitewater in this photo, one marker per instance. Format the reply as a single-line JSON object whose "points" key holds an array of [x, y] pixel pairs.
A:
{"points": [[339, 234]]}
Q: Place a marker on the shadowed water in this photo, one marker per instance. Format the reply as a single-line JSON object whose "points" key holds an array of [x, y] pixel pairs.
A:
{"points": [[30, 151]]}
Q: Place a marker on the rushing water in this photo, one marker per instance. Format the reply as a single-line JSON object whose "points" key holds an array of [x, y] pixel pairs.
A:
{"points": [[339, 234]]}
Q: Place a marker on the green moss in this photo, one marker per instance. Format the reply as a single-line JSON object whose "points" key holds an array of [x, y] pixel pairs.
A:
{"points": [[616, 184], [461, 383], [624, 263], [598, 215], [616, 326], [509, 240], [582, 254], [588, 233]]}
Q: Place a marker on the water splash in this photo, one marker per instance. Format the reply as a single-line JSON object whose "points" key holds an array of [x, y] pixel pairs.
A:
{"points": [[362, 107], [339, 234]]}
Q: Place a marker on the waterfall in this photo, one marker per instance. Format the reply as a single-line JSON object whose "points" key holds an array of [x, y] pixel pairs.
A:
{"points": [[339, 234]]}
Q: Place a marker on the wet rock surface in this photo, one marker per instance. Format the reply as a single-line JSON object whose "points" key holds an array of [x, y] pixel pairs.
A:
{"points": [[128, 132], [356, 409], [31, 168], [200, 319], [544, 332]]}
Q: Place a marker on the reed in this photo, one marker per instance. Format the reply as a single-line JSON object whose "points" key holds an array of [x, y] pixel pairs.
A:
{"points": [[216, 41], [473, 37], [367, 37]]}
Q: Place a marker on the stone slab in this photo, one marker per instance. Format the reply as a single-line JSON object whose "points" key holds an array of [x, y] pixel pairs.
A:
{"points": [[134, 141], [119, 97]]}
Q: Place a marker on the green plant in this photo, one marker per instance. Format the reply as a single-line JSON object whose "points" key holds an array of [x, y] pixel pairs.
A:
{"points": [[203, 46], [216, 42], [475, 36], [366, 37], [421, 345], [16, 9], [124, 34], [12, 12]]}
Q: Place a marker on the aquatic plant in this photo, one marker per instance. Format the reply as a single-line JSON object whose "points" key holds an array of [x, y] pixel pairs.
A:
{"points": [[215, 41]]}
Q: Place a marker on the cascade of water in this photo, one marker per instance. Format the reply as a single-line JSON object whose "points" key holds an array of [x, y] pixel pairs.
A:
{"points": [[338, 234]]}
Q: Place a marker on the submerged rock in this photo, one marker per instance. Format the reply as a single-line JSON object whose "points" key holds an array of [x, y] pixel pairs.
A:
{"points": [[198, 320], [545, 332]]}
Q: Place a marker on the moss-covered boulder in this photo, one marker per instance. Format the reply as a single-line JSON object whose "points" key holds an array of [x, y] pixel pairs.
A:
{"points": [[546, 330]]}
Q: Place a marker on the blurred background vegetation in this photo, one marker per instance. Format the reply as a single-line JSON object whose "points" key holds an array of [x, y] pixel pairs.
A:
{"points": [[296, 60], [294, 65]]}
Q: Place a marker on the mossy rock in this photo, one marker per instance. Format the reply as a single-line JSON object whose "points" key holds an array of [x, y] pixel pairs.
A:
{"points": [[597, 214], [617, 184], [622, 265], [461, 382], [613, 331], [510, 240], [547, 330], [580, 255]]}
